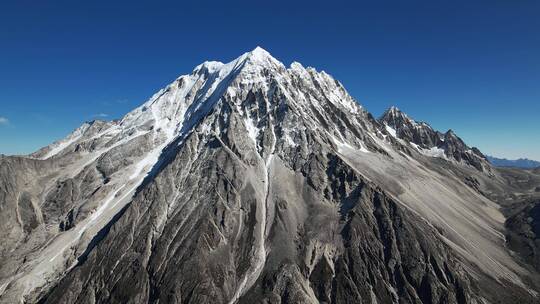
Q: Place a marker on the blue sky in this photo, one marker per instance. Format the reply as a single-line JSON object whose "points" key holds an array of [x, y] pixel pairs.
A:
{"points": [[472, 66]]}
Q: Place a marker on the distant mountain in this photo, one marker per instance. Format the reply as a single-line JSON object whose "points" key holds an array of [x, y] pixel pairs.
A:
{"points": [[518, 163]]}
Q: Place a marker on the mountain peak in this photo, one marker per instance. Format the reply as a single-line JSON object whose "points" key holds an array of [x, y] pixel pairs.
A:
{"points": [[257, 56], [393, 116], [260, 52], [450, 133], [394, 111]]}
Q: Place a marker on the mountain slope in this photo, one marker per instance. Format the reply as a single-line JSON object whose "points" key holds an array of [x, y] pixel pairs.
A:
{"points": [[252, 182]]}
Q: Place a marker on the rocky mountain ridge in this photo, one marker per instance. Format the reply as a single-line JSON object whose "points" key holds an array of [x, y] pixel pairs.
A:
{"points": [[430, 142]]}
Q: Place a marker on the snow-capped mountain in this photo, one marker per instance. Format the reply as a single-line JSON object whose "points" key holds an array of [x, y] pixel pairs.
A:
{"points": [[252, 182]]}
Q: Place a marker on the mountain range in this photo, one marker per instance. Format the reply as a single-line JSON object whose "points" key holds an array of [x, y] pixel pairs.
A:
{"points": [[254, 182], [517, 163]]}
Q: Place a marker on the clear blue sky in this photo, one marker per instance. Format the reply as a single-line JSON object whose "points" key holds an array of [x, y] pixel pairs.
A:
{"points": [[472, 66]]}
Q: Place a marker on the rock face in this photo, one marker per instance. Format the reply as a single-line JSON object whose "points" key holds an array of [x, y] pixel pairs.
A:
{"points": [[250, 182], [524, 233]]}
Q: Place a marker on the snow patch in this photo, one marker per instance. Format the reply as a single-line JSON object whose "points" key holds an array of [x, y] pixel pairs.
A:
{"points": [[391, 131], [432, 152], [343, 146], [253, 131], [435, 152], [289, 140], [146, 163]]}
